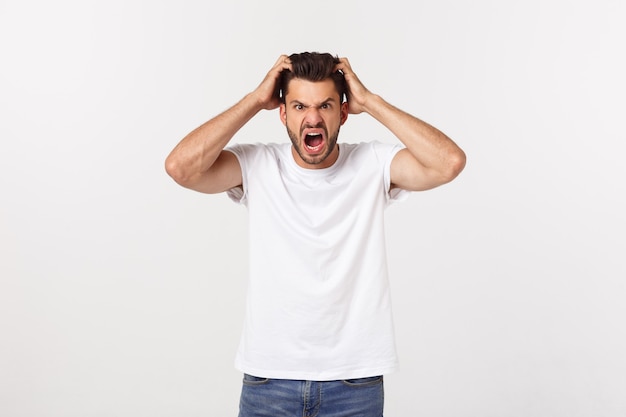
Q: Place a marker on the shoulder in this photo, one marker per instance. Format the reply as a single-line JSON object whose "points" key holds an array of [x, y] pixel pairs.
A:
{"points": [[375, 149], [254, 150], [259, 156]]}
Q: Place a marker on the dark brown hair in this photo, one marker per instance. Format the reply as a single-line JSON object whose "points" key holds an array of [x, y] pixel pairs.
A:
{"points": [[313, 66]]}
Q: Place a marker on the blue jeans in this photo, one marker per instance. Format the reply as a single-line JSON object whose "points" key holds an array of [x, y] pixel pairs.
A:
{"points": [[263, 397]]}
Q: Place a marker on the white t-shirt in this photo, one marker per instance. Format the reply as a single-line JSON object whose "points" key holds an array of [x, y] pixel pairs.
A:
{"points": [[318, 304]]}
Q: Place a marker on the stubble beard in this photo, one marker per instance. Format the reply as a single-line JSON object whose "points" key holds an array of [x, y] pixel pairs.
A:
{"points": [[318, 159]]}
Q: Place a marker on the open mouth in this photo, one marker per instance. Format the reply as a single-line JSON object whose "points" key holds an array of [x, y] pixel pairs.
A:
{"points": [[313, 142]]}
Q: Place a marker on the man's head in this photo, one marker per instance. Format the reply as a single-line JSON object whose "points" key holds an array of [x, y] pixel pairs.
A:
{"points": [[313, 66], [313, 107]]}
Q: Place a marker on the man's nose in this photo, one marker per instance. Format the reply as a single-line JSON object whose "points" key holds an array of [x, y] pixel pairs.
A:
{"points": [[313, 115]]}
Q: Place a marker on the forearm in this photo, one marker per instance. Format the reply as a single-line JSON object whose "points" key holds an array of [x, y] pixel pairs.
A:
{"points": [[428, 145], [197, 152]]}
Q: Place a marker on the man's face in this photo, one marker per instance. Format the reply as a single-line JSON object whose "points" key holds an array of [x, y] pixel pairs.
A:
{"points": [[313, 113]]}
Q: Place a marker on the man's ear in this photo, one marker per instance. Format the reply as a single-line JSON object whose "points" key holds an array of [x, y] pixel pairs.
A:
{"points": [[344, 112], [283, 113]]}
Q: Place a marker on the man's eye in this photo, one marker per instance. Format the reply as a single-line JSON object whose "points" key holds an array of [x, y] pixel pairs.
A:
{"points": [[299, 106]]}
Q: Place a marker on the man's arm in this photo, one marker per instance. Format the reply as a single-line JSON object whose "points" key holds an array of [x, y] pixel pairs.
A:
{"points": [[199, 161], [430, 158]]}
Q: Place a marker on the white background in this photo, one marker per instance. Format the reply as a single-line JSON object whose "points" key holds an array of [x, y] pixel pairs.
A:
{"points": [[121, 293]]}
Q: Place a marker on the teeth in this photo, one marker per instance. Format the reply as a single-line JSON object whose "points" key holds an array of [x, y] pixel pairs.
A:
{"points": [[313, 137]]}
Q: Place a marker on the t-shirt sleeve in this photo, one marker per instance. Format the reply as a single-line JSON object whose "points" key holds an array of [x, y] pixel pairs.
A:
{"points": [[239, 194], [389, 151]]}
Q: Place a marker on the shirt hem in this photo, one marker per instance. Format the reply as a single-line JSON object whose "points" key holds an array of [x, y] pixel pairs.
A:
{"points": [[334, 375]]}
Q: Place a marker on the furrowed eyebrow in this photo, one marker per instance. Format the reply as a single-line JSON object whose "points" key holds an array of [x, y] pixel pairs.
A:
{"points": [[326, 101]]}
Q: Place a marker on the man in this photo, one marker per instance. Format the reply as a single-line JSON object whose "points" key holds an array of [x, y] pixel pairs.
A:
{"points": [[318, 315]]}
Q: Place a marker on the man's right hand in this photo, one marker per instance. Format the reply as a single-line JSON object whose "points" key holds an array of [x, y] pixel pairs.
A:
{"points": [[267, 92]]}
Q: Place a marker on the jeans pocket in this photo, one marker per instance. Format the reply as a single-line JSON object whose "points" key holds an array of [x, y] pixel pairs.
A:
{"points": [[363, 382], [254, 380]]}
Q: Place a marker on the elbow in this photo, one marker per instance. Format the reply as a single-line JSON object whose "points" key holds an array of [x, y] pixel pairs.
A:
{"points": [[454, 165], [175, 170]]}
